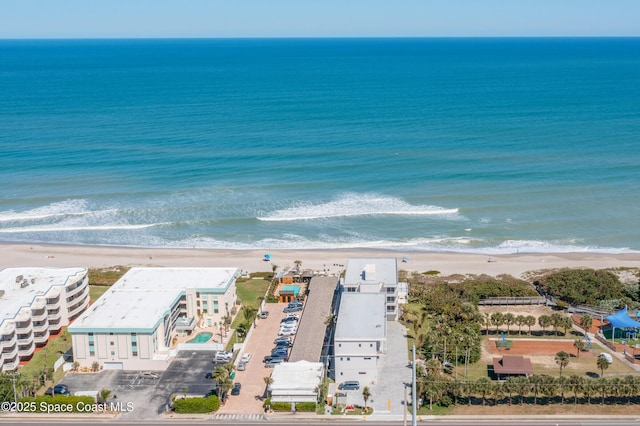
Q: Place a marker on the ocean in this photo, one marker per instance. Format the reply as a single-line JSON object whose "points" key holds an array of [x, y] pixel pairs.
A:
{"points": [[463, 145]]}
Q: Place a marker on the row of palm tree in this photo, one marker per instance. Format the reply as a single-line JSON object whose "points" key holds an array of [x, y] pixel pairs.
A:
{"points": [[499, 319], [534, 389]]}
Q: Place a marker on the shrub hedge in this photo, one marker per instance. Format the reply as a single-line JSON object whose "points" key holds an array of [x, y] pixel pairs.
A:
{"points": [[196, 405]]}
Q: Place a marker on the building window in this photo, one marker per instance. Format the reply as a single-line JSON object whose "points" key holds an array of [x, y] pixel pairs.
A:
{"points": [[390, 290], [359, 345], [351, 289], [205, 307], [391, 299], [134, 344], [339, 345], [367, 357], [370, 345], [348, 359], [92, 349], [215, 307], [341, 359], [113, 353]]}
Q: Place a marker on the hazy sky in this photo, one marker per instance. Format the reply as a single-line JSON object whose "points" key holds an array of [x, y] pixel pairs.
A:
{"points": [[317, 18]]}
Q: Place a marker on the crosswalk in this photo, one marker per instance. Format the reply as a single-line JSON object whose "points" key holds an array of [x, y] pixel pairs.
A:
{"points": [[246, 417]]}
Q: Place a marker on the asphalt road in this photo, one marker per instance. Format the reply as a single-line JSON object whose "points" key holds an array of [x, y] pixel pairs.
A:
{"points": [[304, 422]]}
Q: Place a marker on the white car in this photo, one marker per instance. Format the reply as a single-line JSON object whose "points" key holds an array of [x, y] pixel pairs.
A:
{"points": [[287, 332], [246, 357]]}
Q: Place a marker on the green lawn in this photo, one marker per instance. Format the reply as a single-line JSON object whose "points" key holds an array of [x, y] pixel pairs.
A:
{"points": [[248, 291], [95, 291], [47, 356]]}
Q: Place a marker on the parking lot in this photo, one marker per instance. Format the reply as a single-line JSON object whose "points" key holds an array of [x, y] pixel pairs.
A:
{"points": [[252, 379], [149, 397]]}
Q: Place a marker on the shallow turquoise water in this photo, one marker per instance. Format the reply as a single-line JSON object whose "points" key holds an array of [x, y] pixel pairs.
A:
{"points": [[201, 338]]}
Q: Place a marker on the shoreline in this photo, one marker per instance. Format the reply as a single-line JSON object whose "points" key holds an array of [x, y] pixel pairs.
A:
{"points": [[329, 260]]}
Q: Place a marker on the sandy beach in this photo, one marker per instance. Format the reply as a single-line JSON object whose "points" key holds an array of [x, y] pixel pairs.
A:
{"points": [[331, 261]]}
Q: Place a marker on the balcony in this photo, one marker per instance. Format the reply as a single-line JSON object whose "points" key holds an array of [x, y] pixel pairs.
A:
{"points": [[76, 310], [8, 342], [26, 351], [11, 364], [41, 338], [38, 315], [43, 326], [24, 327], [74, 291]]}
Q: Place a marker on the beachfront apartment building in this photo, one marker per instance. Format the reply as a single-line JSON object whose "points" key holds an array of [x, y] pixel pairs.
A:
{"points": [[134, 324], [36, 303], [360, 337], [374, 275]]}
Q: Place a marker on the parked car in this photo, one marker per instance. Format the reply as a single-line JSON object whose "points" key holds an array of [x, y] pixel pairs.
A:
{"points": [[282, 339], [296, 303], [272, 357], [236, 389], [287, 332], [246, 357], [273, 362], [264, 314], [222, 357], [289, 321], [59, 389], [148, 375], [242, 365], [292, 309], [279, 352], [287, 325], [209, 375], [284, 344], [292, 315], [350, 385]]}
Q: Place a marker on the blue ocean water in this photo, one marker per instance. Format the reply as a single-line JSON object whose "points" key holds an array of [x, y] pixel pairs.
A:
{"points": [[472, 145]]}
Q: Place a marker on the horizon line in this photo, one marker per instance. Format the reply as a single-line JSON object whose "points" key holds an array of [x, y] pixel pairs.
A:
{"points": [[324, 37]]}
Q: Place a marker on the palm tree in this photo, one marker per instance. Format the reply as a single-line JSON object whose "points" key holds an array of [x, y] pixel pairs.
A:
{"points": [[536, 383], [631, 385], [562, 359], [589, 389], [579, 345], [544, 321], [487, 322], [566, 324], [483, 386], [576, 384], [586, 322], [509, 320], [561, 383], [520, 319], [268, 381], [601, 383], [260, 299], [366, 394], [104, 394], [497, 319], [556, 321], [522, 387], [530, 321], [602, 364], [510, 386]]}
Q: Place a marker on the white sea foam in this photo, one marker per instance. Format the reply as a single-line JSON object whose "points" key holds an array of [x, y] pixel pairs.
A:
{"points": [[351, 204], [65, 228], [57, 210]]}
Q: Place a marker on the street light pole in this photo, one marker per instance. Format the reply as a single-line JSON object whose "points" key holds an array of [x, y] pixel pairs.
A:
{"points": [[414, 415]]}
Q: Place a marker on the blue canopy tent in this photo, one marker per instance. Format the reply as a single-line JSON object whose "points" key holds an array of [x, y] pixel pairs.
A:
{"points": [[267, 257], [621, 320]]}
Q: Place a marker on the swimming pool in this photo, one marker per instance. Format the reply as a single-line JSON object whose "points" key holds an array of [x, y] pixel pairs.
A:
{"points": [[201, 338]]}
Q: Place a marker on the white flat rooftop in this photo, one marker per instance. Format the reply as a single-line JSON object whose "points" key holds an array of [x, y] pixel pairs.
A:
{"points": [[362, 316], [371, 271], [38, 282], [300, 375], [143, 296]]}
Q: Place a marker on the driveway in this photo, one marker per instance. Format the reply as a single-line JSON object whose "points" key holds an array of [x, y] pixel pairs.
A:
{"points": [[387, 395], [252, 379]]}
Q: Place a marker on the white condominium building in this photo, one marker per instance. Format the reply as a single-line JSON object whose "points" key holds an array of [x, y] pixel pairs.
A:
{"points": [[360, 337], [133, 324], [35, 303], [374, 275]]}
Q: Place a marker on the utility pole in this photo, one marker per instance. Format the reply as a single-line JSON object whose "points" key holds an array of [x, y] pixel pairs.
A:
{"points": [[414, 415]]}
